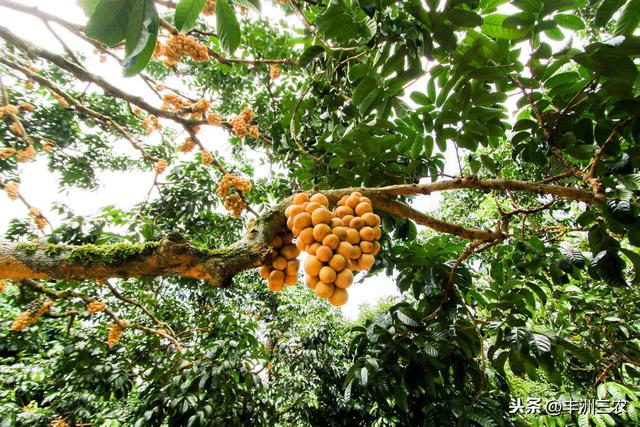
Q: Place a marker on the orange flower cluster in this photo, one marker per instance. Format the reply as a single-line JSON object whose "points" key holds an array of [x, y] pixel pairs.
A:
{"points": [[115, 332], [235, 205], [274, 71], [37, 216], [11, 188], [207, 158], [48, 146], [31, 315], [231, 180], [151, 123], [233, 202], [60, 422], [26, 106], [178, 46], [8, 111], [283, 266], [96, 307], [16, 129], [161, 166], [26, 154], [214, 119], [7, 152], [241, 124], [187, 145], [63, 102], [209, 8]]}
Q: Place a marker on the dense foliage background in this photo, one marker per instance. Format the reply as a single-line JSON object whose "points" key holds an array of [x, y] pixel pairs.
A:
{"points": [[372, 93]]}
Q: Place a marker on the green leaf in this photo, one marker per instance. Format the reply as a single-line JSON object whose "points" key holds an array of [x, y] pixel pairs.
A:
{"points": [[137, 63], [311, 53], [606, 10], [88, 6], [365, 93], [227, 26], [635, 260], [108, 23], [406, 319], [493, 27], [420, 98], [628, 21], [186, 14], [464, 18], [249, 4], [631, 181], [540, 342], [143, 22], [609, 266], [572, 22]]}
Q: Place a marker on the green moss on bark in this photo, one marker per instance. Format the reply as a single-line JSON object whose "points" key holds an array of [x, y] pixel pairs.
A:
{"points": [[110, 254]]}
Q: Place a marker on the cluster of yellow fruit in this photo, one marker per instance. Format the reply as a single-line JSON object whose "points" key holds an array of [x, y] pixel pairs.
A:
{"points": [[26, 107], [337, 242], [7, 152], [31, 315], [233, 202], [115, 332], [151, 123], [3, 286], [209, 8], [241, 124], [96, 307], [274, 71], [11, 188], [283, 267], [179, 45], [37, 216]]}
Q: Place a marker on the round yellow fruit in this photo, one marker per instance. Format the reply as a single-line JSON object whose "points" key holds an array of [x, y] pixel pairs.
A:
{"points": [[352, 201], [276, 278], [338, 262], [366, 247], [321, 231], [324, 253], [332, 241], [324, 290], [300, 198], [341, 232], [320, 198], [327, 274], [342, 211], [301, 221], [311, 281], [312, 265], [356, 223], [306, 236], [367, 233], [312, 248], [292, 267], [371, 219], [353, 236], [312, 206], [363, 208], [336, 222], [293, 210], [290, 279], [345, 249], [264, 271], [344, 279], [280, 263], [289, 252], [338, 297], [321, 216], [366, 261]]}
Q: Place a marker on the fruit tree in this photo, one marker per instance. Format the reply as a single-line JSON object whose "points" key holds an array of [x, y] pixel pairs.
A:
{"points": [[289, 149]]}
